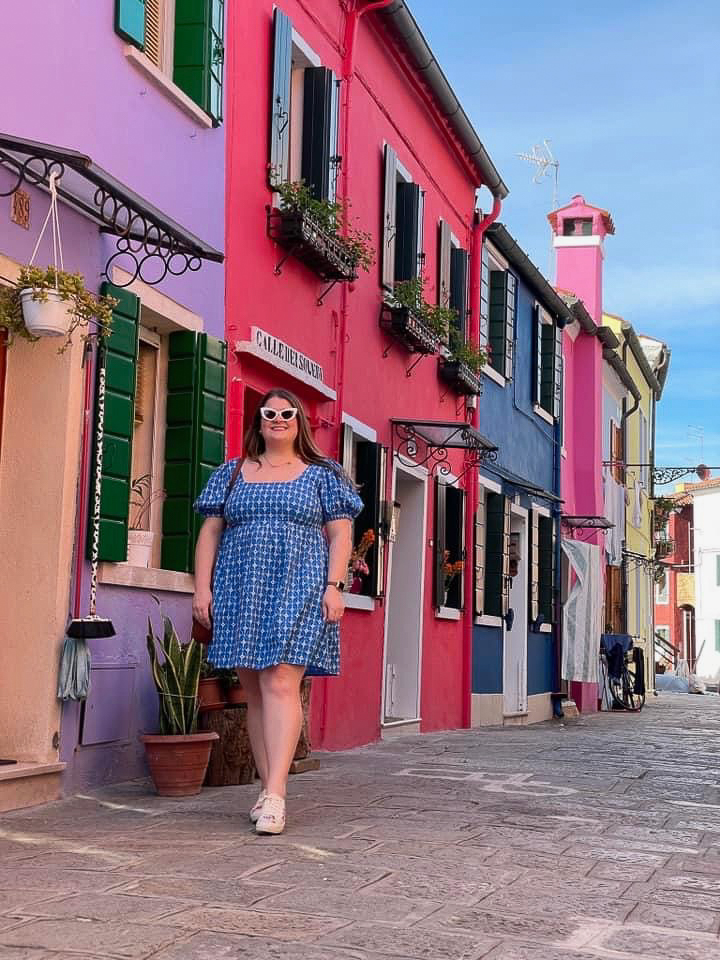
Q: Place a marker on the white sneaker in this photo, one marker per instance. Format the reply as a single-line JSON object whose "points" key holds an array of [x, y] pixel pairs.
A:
{"points": [[255, 812], [272, 815]]}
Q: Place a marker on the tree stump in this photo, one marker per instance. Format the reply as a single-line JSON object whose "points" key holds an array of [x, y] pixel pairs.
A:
{"points": [[231, 759]]}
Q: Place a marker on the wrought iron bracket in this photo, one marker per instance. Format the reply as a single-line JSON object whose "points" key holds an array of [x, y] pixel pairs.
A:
{"points": [[662, 475], [413, 449], [326, 291], [408, 372]]}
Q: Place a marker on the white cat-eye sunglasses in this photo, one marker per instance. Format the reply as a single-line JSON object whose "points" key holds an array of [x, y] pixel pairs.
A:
{"points": [[270, 414]]}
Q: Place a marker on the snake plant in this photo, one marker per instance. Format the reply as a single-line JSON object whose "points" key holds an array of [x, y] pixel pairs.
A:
{"points": [[176, 677]]}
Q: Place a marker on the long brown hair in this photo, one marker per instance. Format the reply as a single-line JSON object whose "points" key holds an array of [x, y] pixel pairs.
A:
{"points": [[305, 446]]}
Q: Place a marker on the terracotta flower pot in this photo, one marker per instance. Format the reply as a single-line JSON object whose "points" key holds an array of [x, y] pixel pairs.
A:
{"points": [[211, 695], [236, 694], [178, 763]]}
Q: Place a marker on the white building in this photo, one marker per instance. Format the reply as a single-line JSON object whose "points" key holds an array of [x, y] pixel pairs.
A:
{"points": [[706, 554]]}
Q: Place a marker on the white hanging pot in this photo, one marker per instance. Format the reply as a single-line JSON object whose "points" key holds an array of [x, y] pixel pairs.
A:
{"points": [[46, 318], [140, 545]]}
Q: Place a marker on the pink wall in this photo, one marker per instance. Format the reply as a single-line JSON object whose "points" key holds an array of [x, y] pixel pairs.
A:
{"points": [[385, 106]]}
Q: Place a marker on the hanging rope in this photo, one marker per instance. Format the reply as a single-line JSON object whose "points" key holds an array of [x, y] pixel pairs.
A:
{"points": [[53, 219], [95, 549]]}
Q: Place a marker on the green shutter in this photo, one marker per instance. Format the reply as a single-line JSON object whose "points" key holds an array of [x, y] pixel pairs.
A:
{"points": [[458, 288], [119, 353], [194, 438], [494, 554], [546, 544], [557, 372], [497, 320], [130, 21], [455, 542], [534, 565], [279, 163], [537, 355], [318, 124], [484, 298], [547, 367], [511, 285], [479, 564], [407, 219], [440, 535], [199, 57]]}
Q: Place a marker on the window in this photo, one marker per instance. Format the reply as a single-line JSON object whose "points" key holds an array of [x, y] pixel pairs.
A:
{"points": [[304, 115], [403, 215], [365, 461], [501, 321], [548, 363], [542, 567], [577, 227], [453, 278], [617, 453], [449, 545], [496, 583], [614, 600], [661, 589], [164, 431], [644, 471], [185, 40]]}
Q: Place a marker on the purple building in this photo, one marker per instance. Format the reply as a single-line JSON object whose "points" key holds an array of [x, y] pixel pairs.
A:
{"points": [[120, 107]]}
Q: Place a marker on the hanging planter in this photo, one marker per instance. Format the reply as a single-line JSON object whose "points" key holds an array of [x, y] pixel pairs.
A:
{"points": [[45, 313]]}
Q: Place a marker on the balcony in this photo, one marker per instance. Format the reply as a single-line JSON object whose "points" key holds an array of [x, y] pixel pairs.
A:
{"points": [[322, 251], [664, 548], [402, 324], [460, 377]]}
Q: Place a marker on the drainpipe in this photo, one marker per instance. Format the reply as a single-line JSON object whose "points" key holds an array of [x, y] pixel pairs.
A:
{"points": [[471, 484]]}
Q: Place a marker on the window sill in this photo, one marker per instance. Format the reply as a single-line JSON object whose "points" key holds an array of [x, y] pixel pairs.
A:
{"points": [[448, 613], [543, 414], [146, 578], [487, 621], [356, 601], [492, 373], [165, 84]]}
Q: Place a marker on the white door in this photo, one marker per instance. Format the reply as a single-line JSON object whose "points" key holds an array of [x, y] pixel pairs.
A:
{"points": [[403, 629], [515, 699]]}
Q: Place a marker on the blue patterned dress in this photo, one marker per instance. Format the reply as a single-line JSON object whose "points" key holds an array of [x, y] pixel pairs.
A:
{"points": [[271, 569]]}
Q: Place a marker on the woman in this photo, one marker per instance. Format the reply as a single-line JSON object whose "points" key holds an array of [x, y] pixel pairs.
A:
{"points": [[270, 563]]}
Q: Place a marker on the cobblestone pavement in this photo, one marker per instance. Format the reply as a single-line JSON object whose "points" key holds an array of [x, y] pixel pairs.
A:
{"points": [[594, 838]]}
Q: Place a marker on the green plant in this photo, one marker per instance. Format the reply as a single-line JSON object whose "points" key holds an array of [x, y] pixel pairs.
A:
{"points": [[176, 678], [465, 352], [227, 677], [411, 295], [662, 508], [144, 497], [330, 217], [85, 307]]}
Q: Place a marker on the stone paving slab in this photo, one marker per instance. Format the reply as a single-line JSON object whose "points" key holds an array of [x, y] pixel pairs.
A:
{"points": [[594, 839]]}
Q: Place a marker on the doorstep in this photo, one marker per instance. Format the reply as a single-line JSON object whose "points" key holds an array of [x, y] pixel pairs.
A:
{"points": [[25, 784]]}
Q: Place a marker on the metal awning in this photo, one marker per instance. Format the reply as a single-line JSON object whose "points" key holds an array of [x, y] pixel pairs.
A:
{"points": [[418, 443], [586, 522], [147, 238], [522, 484]]}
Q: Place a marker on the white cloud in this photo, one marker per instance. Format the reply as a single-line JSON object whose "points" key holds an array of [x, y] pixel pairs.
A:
{"points": [[662, 287]]}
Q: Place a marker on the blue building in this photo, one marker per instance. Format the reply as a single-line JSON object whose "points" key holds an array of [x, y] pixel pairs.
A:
{"points": [[516, 633]]}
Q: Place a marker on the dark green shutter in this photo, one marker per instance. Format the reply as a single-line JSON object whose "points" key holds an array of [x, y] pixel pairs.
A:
{"points": [[547, 367], [120, 357], [511, 285], [440, 537], [458, 288], [497, 322], [194, 438], [371, 479], [537, 355], [479, 556], [557, 372], [546, 545], [407, 218], [130, 21], [534, 566], [485, 298], [199, 57], [318, 126], [444, 260], [279, 162], [494, 554], [455, 541]]}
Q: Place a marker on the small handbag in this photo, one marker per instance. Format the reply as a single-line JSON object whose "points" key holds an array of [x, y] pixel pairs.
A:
{"points": [[200, 632]]}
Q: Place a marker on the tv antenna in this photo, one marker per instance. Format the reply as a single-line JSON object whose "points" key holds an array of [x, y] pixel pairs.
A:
{"points": [[545, 166]]}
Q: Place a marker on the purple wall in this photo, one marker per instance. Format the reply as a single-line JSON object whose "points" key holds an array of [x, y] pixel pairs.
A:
{"points": [[80, 91]]}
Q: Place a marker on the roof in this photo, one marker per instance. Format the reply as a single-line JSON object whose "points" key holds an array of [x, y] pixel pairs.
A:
{"points": [[404, 28]]}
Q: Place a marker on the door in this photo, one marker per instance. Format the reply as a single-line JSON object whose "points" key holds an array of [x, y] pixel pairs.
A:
{"points": [[403, 630], [515, 638]]}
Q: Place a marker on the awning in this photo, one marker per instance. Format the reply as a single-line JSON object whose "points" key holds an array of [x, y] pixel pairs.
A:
{"points": [[586, 522], [146, 237], [516, 481], [420, 443]]}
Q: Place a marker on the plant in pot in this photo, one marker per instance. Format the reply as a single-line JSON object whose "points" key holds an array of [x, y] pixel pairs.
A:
{"points": [[178, 756], [463, 363], [234, 693], [211, 690], [50, 302], [140, 539], [407, 315]]}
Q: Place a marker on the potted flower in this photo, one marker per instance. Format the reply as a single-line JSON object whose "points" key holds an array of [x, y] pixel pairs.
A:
{"points": [[211, 689], [461, 367], [140, 539], [46, 302], [406, 315], [178, 756], [233, 689], [450, 571], [358, 568]]}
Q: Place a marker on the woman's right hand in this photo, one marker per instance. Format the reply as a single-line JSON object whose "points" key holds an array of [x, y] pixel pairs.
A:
{"points": [[202, 607]]}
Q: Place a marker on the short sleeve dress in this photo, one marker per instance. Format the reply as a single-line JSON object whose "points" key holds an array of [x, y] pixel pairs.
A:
{"points": [[271, 568]]}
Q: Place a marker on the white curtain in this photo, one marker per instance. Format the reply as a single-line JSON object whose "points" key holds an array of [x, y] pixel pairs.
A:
{"points": [[582, 613]]}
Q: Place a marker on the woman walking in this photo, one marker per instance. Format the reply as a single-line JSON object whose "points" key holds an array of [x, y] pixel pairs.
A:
{"points": [[270, 565]]}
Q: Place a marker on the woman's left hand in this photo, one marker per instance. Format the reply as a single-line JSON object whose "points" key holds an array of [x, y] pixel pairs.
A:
{"points": [[333, 605]]}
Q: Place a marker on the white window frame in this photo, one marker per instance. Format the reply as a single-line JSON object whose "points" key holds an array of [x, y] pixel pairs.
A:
{"points": [[546, 320], [487, 620], [495, 262]]}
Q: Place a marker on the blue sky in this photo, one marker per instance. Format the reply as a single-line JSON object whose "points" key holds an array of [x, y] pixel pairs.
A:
{"points": [[628, 93]]}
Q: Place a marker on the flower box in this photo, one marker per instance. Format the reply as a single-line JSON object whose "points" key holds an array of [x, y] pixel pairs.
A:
{"points": [[322, 251], [460, 377], [402, 324]]}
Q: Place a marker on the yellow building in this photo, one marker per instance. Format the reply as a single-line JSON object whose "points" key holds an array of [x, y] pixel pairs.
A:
{"points": [[647, 362]]}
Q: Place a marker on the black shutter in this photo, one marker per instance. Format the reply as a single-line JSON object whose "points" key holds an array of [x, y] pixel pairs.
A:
{"points": [[479, 555], [498, 302], [378, 587], [494, 554], [547, 365], [389, 224], [279, 163], [367, 476], [458, 288], [455, 541], [440, 537], [317, 130], [546, 541], [406, 237]]}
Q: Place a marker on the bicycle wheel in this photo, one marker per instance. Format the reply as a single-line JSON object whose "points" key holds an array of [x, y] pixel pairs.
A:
{"points": [[631, 701]]}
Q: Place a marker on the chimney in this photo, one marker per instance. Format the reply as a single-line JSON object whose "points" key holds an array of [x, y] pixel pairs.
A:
{"points": [[579, 230]]}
